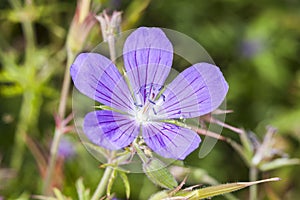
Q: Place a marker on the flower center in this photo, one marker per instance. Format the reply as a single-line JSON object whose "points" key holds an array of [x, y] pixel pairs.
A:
{"points": [[147, 102], [142, 116]]}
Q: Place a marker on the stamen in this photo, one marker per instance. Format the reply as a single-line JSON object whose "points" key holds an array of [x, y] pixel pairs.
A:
{"points": [[154, 111], [138, 105], [163, 97], [151, 101], [147, 102]]}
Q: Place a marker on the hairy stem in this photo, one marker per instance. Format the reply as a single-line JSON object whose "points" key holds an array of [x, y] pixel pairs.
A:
{"points": [[58, 130], [65, 87], [112, 48]]}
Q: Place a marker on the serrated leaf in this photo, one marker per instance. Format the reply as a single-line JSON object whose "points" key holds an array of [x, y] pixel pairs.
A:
{"points": [[126, 183], [212, 191], [279, 162], [159, 174]]}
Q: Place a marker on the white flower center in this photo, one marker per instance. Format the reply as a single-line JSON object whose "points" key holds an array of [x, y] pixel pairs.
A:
{"points": [[141, 116], [146, 111]]}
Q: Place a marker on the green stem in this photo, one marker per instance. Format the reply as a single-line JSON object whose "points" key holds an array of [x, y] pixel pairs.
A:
{"points": [[30, 102], [253, 177], [58, 132], [28, 30], [27, 118], [102, 184]]}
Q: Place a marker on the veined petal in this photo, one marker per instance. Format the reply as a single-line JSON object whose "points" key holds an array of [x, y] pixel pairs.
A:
{"points": [[169, 140], [98, 78], [148, 56], [110, 129], [198, 90]]}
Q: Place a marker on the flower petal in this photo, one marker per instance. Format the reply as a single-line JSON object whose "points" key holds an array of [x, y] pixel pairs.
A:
{"points": [[110, 129], [98, 78], [198, 90], [148, 56], [169, 140]]}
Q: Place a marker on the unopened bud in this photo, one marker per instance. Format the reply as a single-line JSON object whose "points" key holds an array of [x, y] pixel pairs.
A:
{"points": [[110, 25]]}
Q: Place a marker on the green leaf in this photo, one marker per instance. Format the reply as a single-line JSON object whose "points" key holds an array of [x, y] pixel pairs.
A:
{"points": [[219, 189], [248, 147], [11, 90], [59, 194], [159, 195], [40, 197], [197, 175], [23, 196], [82, 192], [279, 162], [159, 174], [126, 183], [111, 181]]}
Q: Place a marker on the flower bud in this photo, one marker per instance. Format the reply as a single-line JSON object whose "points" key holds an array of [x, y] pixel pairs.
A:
{"points": [[82, 23]]}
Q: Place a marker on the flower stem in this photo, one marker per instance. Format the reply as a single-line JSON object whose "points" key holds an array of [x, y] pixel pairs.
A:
{"points": [[65, 87], [58, 130], [253, 177], [102, 184], [112, 48], [30, 39], [52, 161]]}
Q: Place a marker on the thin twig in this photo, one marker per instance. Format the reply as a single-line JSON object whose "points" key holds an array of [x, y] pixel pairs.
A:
{"points": [[208, 133]]}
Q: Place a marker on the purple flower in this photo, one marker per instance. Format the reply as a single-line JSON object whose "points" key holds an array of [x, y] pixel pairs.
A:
{"points": [[140, 103]]}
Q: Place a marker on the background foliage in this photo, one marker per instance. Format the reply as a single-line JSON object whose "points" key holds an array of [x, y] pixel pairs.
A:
{"points": [[256, 44]]}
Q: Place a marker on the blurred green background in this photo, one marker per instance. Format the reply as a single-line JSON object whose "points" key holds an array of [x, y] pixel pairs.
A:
{"points": [[256, 45]]}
